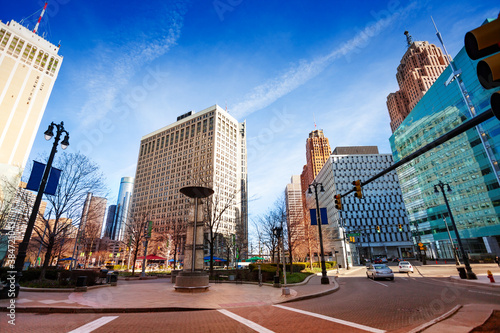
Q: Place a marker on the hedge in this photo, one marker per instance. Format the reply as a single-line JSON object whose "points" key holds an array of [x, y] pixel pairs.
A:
{"points": [[72, 276]]}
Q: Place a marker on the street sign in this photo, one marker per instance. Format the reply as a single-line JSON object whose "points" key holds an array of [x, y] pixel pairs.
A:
{"points": [[354, 234]]}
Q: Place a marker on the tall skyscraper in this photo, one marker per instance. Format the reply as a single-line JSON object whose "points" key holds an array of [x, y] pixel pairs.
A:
{"points": [[29, 66], [110, 220], [317, 153], [206, 148], [94, 210], [461, 162], [420, 66], [295, 212], [121, 215], [381, 206]]}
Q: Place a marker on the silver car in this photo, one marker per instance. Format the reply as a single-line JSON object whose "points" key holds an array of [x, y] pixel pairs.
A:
{"points": [[379, 271]]}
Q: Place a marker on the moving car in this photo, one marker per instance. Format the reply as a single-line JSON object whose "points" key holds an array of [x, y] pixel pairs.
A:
{"points": [[405, 266], [379, 271]]}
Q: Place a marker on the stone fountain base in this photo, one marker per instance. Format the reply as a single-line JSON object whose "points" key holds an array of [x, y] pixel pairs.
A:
{"points": [[191, 282]]}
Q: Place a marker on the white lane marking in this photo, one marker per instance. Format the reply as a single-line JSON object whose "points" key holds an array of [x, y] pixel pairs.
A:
{"points": [[482, 292], [335, 320], [251, 324], [380, 283], [93, 325]]}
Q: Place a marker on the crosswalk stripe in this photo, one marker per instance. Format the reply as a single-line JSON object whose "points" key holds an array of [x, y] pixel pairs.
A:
{"points": [[93, 325], [335, 320], [246, 322]]}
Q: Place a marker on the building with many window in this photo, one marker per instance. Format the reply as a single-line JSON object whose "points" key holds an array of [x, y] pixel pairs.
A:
{"points": [[461, 162], [116, 224], [295, 212], [368, 227], [20, 210], [205, 148], [29, 66], [420, 66]]}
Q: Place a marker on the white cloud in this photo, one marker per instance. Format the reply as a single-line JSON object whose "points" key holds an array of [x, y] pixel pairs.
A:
{"points": [[267, 93], [116, 67]]}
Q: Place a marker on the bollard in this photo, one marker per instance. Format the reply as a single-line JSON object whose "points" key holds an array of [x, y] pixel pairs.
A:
{"points": [[490, 276]]}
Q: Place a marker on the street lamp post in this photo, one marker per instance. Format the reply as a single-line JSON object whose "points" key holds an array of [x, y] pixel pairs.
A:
{"points": [[455, 254], [277, 234], [324, 278], [23, 247], [441, 186], [342, 223]]}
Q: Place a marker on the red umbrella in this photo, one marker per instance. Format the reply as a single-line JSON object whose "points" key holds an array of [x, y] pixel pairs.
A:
{"points": [[151, 257]]}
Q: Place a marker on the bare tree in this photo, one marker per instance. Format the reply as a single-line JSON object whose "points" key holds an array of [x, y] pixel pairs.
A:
{"points": [[135, 231], [216, 206], [78, 177]]}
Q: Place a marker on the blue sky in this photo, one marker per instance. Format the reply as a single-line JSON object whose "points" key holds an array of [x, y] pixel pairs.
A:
{"points": [[130, 68]]}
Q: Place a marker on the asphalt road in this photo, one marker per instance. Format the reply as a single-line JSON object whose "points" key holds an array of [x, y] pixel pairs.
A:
{"points": [[360, 305]]}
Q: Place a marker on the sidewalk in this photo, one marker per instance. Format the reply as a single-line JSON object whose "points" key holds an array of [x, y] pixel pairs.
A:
{"points": [[158, 295]]}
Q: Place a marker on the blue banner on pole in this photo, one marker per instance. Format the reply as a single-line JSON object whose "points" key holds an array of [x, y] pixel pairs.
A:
{"points": [[36, 178], [324, 217]]}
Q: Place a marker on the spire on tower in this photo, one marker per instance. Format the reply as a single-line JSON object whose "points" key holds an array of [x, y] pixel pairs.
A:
{"points": [[409, 39], [40, 18]]}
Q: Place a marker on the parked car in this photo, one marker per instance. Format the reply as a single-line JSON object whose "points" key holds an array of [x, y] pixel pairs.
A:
{"points": [[379, 271], [381, 260], [405, 266], [396, 260]]}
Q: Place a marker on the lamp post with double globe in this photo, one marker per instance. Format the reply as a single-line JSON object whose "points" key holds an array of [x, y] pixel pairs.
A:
{"points": [[23, 247], [324, 278]]}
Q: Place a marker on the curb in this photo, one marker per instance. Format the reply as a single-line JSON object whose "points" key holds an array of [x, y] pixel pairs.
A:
{"points": [[447, 315], [101, 310], [60, 290], [472, 283], [322, 293]]}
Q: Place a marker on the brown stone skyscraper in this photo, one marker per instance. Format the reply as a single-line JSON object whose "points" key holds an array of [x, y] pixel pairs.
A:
{"points": [[317, 153], [420, 66]]}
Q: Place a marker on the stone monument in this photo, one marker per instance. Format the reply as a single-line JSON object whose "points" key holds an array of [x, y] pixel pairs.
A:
{"points": [[193, 278]]}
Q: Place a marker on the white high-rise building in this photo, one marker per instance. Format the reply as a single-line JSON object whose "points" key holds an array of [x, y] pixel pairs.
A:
{"points": [[375, 219], [206, 148], [294, 210], [29, 66]]}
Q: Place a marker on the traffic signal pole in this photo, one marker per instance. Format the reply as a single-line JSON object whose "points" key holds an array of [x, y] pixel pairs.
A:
{"points": [[482, 117]]}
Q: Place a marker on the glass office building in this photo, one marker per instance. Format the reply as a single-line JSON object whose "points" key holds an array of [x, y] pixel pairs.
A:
{"points": [[461, 162]]}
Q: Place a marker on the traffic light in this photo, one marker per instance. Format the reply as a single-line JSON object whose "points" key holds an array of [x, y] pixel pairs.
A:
{"points": [[338, 202], [357, 187], [352, 239], [400, 227], [484, 41], [378, 229]]}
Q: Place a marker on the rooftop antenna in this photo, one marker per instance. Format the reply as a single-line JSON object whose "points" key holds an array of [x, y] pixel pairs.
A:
{"points": [[409, 39], [40, 18], [455, 76]]}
